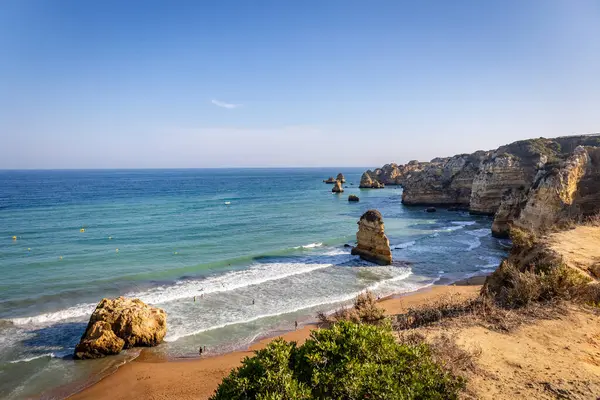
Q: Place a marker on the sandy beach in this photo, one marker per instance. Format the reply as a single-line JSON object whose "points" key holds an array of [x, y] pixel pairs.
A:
{"points": [[146, 378]]}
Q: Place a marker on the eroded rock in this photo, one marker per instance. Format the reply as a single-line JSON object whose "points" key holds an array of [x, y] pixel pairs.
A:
{"points": [[372, 243], [337, 188], [368, 182], [130, 320], [99, 341]]}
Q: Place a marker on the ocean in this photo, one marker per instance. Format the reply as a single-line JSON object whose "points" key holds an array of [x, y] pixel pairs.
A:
{"points": [[259, 248]]}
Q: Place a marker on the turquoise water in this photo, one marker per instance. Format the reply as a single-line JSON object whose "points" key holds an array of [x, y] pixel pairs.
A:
{"points": [[274, 237]]}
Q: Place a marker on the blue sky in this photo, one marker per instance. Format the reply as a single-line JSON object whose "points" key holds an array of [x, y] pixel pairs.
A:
{"points": [[115, 84]]}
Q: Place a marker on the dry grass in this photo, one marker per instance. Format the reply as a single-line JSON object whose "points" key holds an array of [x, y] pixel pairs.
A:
{"points": [[458, 362], [479, 311], [445, 351], [365, 309], [594, 220], [521, 238], [511, 288]]}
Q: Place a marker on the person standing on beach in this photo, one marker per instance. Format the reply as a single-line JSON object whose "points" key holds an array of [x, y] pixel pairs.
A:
{"points": [[200, 351], [295, 325]]}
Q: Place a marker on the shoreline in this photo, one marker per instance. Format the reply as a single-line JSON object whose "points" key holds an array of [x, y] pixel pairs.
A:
{"points": [[149, 377]]}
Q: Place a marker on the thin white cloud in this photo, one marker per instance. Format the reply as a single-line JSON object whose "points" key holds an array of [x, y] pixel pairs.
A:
{"points": [[225, 105]]}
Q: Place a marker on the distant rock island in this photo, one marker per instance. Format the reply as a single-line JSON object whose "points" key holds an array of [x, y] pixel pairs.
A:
{"points": [[532, 183]]}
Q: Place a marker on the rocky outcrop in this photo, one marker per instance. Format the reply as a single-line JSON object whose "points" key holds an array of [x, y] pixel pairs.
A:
{"points": [[353, 197], [444, 181], [496, 182], [340, 177], [330, 180], [368, 182], [121, 323], [372, 243], [99, 341], [337, 188], [394, 174], [511, 167], [503, 186], [560, 192]]}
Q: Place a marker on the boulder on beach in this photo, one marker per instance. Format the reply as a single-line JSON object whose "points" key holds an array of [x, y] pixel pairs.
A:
{"points": [[353, 197], [337, 188], [121, 323], [99, 341], [340, 177], [331, 179], [372, 243]]}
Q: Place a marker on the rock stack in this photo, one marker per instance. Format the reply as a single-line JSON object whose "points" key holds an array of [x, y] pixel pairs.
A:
{"points": [[372, 244], [330, 180], [337, 188], [119, 324], [340, 177], [367, 182]]}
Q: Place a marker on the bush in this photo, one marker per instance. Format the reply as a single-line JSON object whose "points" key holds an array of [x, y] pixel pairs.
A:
{"points": [[512, 288], [522, 239], [364, 309], [346, 361]]}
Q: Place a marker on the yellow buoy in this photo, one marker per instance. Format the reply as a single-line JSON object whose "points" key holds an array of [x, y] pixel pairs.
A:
{"points": [[117, 250], [82, 230], [28, 249], [14, 238], [60, 258]]}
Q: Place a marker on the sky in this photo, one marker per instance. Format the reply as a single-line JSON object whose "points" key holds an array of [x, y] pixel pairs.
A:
{"points": [[253, 83]]}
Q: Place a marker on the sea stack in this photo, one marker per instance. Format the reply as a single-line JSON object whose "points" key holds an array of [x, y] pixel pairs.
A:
{"points": [[367, 182], [340, 177], [372, 244], [119, 324], [331, 179], [337, 188]]}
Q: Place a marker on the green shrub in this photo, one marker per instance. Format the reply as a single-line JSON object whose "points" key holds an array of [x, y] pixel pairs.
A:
{"points": [[346, 361]]}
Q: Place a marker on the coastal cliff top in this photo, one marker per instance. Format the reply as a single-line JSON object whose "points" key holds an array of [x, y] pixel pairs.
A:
{"points": [[579, 248]]}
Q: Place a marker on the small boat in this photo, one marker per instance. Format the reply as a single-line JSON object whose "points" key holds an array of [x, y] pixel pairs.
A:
{"points": [[227, 203]]}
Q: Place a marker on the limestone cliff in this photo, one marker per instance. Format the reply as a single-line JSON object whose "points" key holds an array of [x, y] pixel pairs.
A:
{"points": [[121, 323], [394, 174], [562, 191], [372, 243], [494, 182], [444, 181]]}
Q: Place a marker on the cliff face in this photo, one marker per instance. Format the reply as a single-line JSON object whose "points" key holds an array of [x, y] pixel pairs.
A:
{"points": [[562, 191], [394, 174], [446, 181], [500, 182]]}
